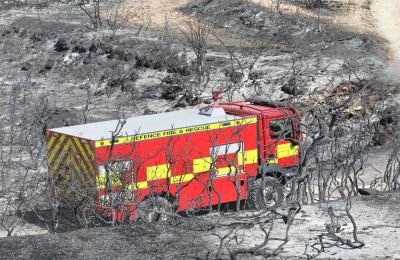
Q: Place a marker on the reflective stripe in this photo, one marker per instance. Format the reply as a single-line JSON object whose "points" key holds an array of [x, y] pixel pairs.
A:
{"points": [[140, 185], [202, 165], [158, 172], [273, 161], [251, 156], [163, 171], [181, 178], [225, 171], [241, 157], [101, 181], [248, 157], [175, 132], [287, 150]]}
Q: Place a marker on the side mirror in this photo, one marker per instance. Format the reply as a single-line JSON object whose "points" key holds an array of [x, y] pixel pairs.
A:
{"points": [[299, 134], [293, 142]]}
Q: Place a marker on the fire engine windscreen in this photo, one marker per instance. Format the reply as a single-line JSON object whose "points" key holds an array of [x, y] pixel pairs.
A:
{"points": [[281, 129]]}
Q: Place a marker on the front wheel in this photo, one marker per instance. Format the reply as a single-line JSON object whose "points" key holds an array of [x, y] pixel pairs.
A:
{"points": [[266, 193], [154, 209]]}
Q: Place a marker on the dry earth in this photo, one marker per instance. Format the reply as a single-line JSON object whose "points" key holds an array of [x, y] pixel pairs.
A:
{"points": [[377, 217], [388, 26], [158, 13]]}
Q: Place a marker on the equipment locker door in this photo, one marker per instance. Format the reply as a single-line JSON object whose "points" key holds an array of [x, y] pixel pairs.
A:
{"points": [[227, 173]]}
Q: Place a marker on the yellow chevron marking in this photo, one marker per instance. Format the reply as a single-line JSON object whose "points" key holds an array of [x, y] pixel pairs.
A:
{"points": [[55, 150], [68, 162], [80, 167], [62, 154], [51, 141], [87, 146], [82, 152]]}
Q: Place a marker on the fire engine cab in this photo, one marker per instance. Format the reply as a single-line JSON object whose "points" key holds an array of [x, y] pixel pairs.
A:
{"points": [[146, 166]]}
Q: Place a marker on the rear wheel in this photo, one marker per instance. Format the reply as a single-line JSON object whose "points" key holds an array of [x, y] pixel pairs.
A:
{"points": [[266, 193], [154, 209]]}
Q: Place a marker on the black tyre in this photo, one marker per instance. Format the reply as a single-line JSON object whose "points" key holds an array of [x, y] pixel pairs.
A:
{"points": [[154, 209], [266, 193]]}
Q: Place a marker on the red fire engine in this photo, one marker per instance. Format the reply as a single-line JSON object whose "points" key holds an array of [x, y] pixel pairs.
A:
{"points": [[145, 166]]}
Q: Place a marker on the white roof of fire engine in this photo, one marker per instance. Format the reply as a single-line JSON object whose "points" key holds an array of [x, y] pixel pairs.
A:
{"points": [[146, 124]]}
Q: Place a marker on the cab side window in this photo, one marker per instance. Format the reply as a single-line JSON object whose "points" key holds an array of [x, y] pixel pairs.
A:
{"points": [[281, 129]]}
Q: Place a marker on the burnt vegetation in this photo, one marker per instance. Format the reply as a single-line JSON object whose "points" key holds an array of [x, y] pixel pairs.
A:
{"points": [[73, 62]]}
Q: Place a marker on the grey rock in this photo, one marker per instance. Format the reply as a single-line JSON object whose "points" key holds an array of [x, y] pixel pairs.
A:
{"points": [[149, 112], [367, 191], [79, 48], [27, 66], [381, 138], [62, 45], [93, 47], [49, 64], [291, 90]]}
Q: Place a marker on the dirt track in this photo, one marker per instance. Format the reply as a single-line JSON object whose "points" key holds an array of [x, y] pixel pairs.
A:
{"points": [[387, 17]]}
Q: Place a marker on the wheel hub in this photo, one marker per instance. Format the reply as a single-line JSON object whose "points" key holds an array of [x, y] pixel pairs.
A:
{"points": [[269, 196]]}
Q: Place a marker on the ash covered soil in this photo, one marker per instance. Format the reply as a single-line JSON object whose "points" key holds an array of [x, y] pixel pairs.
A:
{"points": [[51, 61], [88, 76], [378, 223]]}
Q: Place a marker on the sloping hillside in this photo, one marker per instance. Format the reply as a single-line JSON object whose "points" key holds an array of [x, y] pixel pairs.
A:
{"points": [[329, 60]]}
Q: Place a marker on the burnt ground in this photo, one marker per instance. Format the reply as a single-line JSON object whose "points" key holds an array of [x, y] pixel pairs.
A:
{"points": [[53, 53], [50, 56], [131, 241], [377, 218]]}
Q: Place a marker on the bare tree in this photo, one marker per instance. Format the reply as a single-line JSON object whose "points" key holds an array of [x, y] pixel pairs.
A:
{"points": [[244, 72], [334, 227], [92, 9], [119, 15], [196, 34]]}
